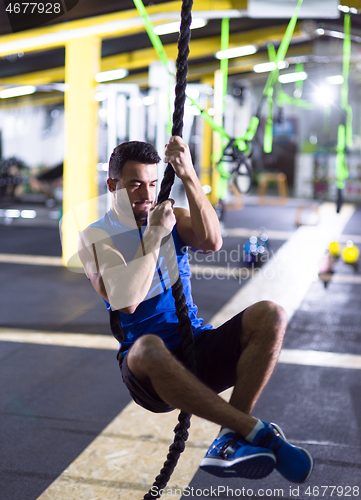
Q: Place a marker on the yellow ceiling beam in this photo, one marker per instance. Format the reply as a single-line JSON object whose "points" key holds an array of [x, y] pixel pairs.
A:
{"points": [[32, 100], [352, 3], [109, 25], [112, 25], [203, 47], [142, 58], [35, 78]]}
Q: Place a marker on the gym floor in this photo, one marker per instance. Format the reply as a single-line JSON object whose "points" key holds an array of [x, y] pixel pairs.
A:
{"points": [[68, 428]]}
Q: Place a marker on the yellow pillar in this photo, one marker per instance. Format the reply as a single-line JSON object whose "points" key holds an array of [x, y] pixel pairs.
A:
{"points": [[82, 63], [217, 140]]}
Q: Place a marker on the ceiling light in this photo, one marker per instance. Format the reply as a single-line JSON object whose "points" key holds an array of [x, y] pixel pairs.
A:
{"points": [[28, 214], [244, 50], [324, 95], [335, 34], [100, 96], [115, 74], [270, 66], [346, 9], [194, 110], [148, 100], [293, 77], [192, 93], [12, 213], [165, 29], [17, 91], [103, 167], [335, 80]]}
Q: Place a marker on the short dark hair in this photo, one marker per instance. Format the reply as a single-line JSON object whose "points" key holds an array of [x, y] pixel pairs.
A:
{"points": [[131, 150]]}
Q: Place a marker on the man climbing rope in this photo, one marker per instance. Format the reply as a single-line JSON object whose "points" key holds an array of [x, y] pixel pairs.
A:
{"points": [[123, 256]]}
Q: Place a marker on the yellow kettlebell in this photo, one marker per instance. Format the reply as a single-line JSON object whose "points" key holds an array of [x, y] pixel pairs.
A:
{"points": [[350, 253], [334, 248]]}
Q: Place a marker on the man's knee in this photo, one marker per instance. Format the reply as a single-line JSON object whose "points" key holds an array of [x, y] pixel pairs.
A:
{"points": [[267, 319], [146, 352]]}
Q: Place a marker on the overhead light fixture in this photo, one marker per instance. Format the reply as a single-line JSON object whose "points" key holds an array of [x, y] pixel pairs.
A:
{"points": [[28, 214], [293, 77], [194, 111], [346, 9], [324, 95], [174, 27], [148, 100], [115, 74], [337, 34], [270, 66], [100, 96], [244, 50], [12, 213], [192, 93], [335, 80], [17, 91]]}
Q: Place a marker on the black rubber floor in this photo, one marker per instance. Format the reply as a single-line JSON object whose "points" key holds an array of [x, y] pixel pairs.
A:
{"points": [[318, 409], [33, 240], [54, 402]]}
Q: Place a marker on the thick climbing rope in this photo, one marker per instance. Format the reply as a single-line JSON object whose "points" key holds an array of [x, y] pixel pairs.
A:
{"points": [[185, 328]]}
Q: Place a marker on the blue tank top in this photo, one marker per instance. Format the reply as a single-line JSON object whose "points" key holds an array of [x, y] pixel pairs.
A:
{"points": [[156, 314]]}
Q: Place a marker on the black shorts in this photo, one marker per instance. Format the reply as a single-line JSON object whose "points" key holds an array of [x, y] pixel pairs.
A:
{"points": [[217, 355]]}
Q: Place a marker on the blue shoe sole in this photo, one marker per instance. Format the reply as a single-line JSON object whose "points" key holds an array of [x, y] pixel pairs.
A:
{"points": [[255, 467], [310, 459]]}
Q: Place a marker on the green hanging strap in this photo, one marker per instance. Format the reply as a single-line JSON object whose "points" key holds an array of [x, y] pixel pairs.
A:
{"points": [[282, 49], [222, 182], [251, 131], [341, 167], [346, 73], [272, 79], [344, 136], [154, 38], [283, 98], [224, 62], [268, 131]]}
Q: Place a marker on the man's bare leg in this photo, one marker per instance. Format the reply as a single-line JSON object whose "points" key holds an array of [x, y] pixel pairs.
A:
{"points": [[264, 325], [158, 371]]}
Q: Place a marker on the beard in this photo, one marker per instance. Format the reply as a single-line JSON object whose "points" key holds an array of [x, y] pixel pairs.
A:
{"points": [[142, 214]]}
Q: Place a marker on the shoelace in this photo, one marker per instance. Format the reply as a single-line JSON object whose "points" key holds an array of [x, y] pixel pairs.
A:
{"points": [[269, 440], [229, 446]]}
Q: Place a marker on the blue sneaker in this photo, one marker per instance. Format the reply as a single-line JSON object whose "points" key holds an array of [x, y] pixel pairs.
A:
{"points": [[231, 456], [293, 463]]}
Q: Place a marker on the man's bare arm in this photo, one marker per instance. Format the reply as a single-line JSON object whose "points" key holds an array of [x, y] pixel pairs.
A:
{"points": [[125, 285], [199, 227]]}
